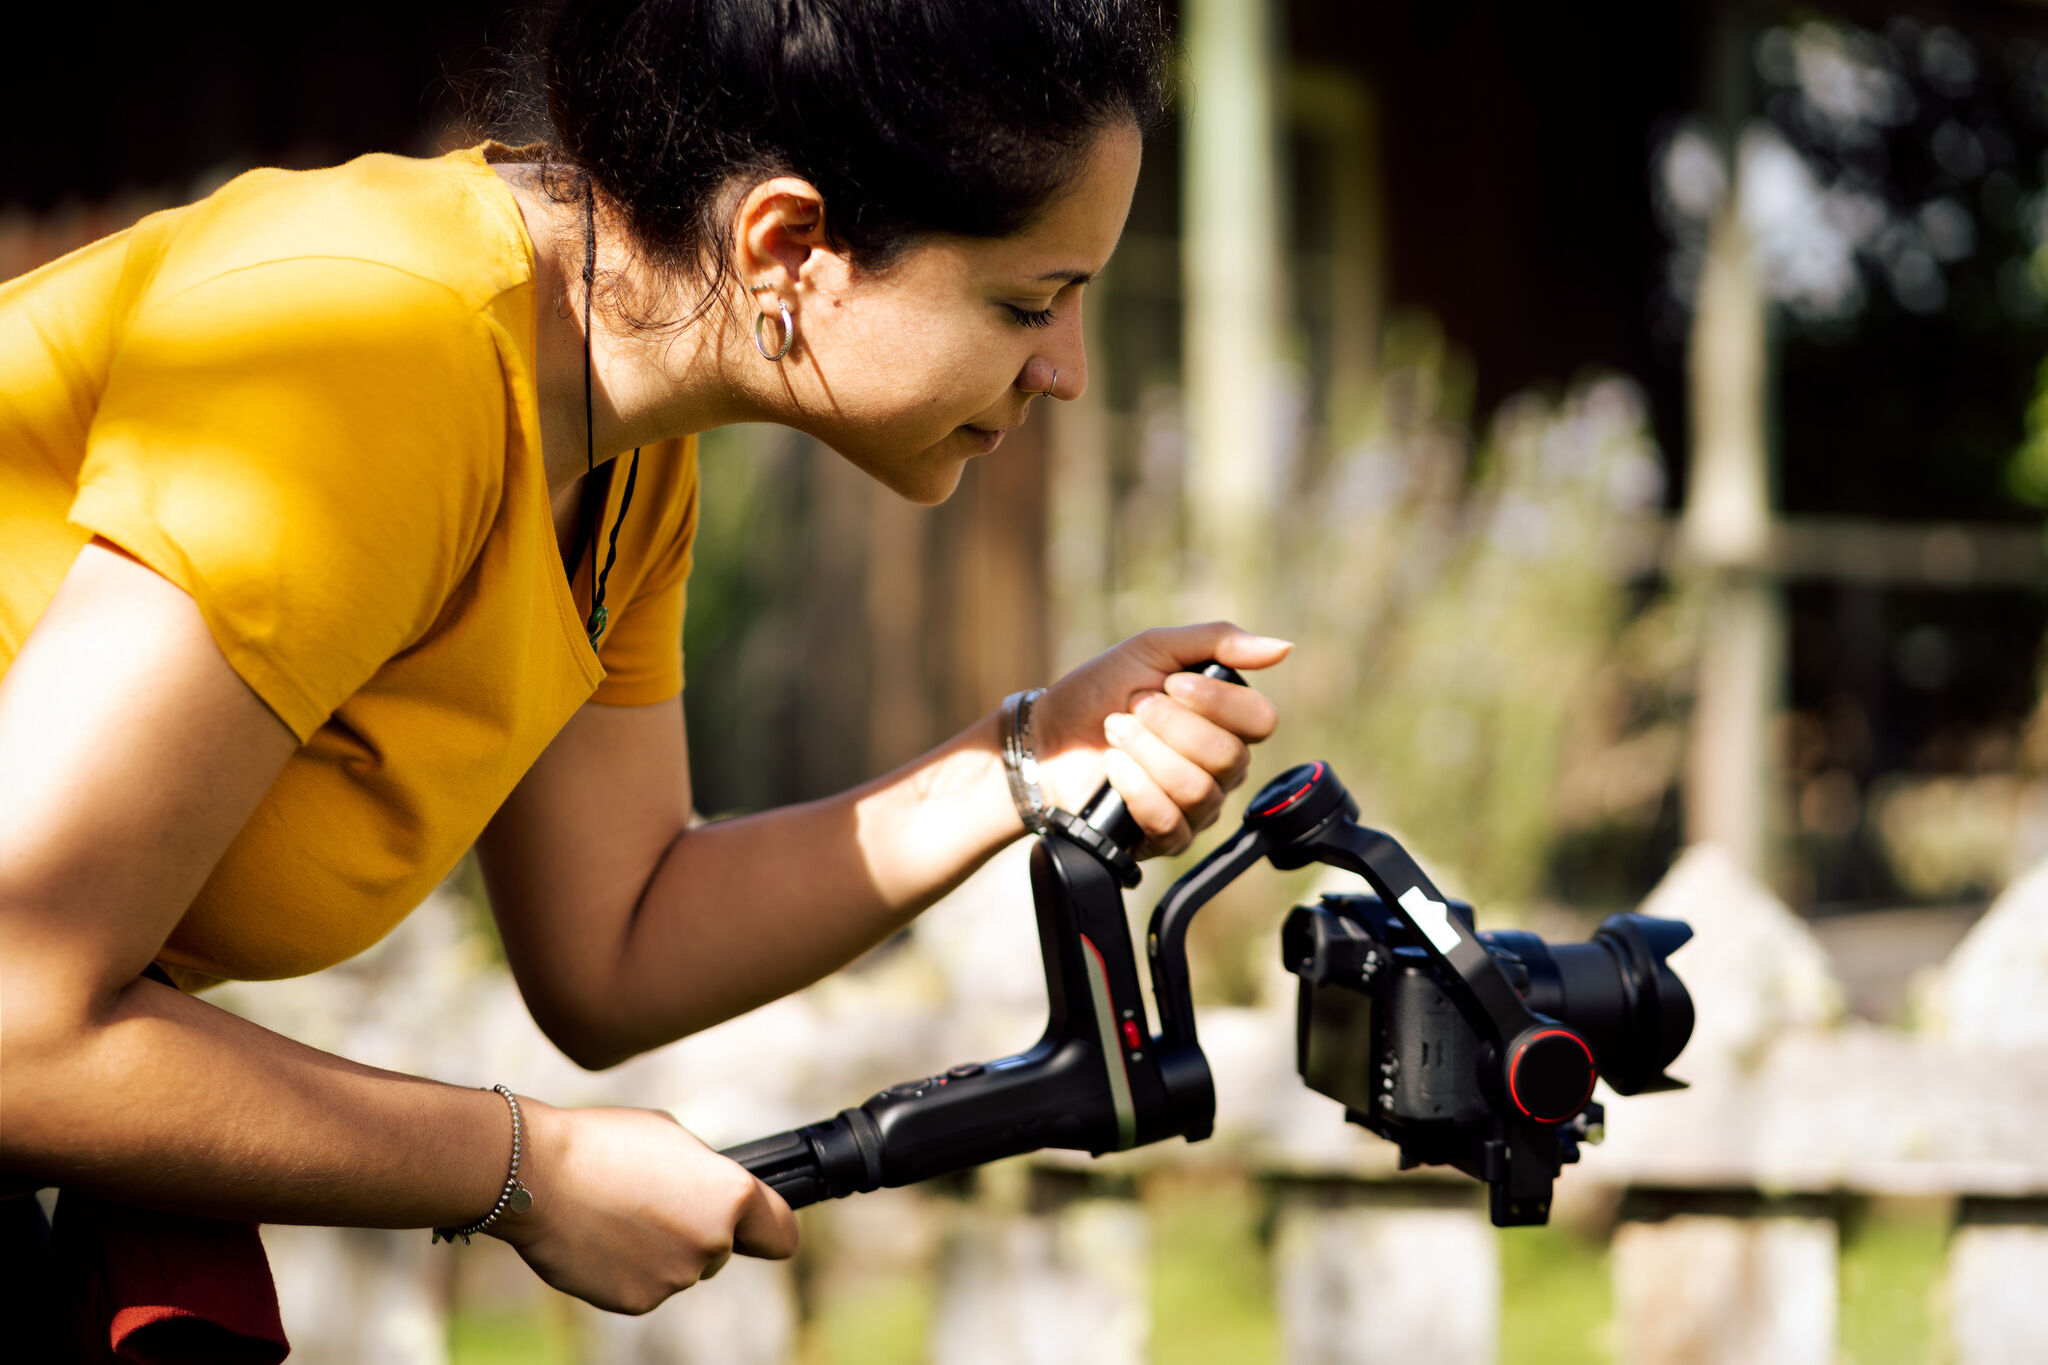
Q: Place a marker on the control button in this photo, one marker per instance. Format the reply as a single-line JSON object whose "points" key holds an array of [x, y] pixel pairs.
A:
{"points": [[965, 1069], [1131, 1038], [908, 1090]]}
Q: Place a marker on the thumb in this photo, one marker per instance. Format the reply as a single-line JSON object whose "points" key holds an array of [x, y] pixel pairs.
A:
{"points": [[1227, 643], [767, 1227]]}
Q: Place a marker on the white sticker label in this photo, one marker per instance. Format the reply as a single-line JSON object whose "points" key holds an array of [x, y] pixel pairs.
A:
{"points": [[1433, 918]]}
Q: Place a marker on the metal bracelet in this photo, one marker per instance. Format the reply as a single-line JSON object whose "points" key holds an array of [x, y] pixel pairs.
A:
{"points": [[1020, 763], [513, 1198]]}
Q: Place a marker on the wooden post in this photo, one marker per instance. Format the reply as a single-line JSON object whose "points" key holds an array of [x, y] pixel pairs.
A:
{"points": [[1387, 1276], [1080, 502], [899, 698], [746, 1316], [1723, 1279], [1730, 1285], [833, 749], [1000, 615], [1997, 1266], [1726, 535], [1231, 282], [1065, 1285], [355, 1294], [1992, 1000]]}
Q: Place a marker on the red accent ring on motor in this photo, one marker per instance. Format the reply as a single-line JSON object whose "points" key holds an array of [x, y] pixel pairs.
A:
{"points": [[1284, 802], [1515, 1066]]}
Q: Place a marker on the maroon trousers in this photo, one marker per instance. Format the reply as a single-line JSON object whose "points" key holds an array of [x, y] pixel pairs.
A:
{"points": [[108, 1283]]}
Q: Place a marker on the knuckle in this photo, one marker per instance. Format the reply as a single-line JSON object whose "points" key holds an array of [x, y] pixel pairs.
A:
{"points": [[1196, 787], [1157, 823], [735, 1184], [644, 1299]]}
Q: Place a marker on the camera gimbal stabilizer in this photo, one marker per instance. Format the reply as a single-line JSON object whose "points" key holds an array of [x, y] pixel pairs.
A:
{"points": [[1475, 1051]]}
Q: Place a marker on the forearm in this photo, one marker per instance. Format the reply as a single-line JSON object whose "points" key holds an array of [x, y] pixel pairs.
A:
{"points": [[627, 930], [742, 911], [167, 1102]]}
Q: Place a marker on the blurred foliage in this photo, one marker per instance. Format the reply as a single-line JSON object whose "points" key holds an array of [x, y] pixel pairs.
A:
{"points": [[1483, 674]]}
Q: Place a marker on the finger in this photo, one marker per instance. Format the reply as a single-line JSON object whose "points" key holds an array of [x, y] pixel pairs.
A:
{"points": [[767, 1226], [1241, 710], [1176, 647], [1199, 740], [1163, 819]]}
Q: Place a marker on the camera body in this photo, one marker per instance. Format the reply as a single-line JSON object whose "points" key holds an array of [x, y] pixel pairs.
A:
{"points": [[1379, 1028], [1376, 1030]]}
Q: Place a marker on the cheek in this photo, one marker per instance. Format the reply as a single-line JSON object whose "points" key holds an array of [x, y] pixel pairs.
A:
{"points": [[927, 369]]}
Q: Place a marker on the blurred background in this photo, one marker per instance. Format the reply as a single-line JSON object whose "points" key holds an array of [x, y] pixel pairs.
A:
{"points": [[1634, 412]]}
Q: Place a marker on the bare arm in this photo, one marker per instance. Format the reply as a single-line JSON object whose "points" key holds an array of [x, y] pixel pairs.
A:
{"points": [[628, 929], [131, 755]]}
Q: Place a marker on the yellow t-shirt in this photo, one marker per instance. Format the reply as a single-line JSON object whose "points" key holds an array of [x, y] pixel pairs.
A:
{"points": [[309, 401]]}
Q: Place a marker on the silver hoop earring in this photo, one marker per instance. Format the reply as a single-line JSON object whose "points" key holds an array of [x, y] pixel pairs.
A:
{"points": [[788, 328]]}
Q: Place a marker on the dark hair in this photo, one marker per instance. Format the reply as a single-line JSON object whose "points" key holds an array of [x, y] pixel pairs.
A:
{"points": [[912, 117]]}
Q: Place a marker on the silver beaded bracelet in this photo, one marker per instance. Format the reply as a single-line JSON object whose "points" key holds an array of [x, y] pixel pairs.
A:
{"points": [[1020, 764], [514, 1198]]}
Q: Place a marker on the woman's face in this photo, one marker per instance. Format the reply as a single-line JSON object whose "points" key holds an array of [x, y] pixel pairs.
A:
{"points": [[911, 372]]}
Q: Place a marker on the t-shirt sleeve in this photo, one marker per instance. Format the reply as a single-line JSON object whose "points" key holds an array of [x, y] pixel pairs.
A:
{"points": [[642, 653], [312, 449]]}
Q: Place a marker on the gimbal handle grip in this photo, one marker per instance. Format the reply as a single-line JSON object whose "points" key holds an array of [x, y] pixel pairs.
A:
{"points": [[827, 1160], [786, 1164], [1105, 810]]}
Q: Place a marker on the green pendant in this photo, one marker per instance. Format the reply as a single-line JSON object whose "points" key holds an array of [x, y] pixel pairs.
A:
{"points": [[597, 620]]}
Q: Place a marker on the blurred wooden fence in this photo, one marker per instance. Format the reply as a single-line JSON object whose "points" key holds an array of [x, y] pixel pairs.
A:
{"points": [[1730, 1195]]}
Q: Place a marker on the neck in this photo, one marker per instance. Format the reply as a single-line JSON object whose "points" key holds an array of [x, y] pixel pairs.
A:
{"points": [[646, 386]]}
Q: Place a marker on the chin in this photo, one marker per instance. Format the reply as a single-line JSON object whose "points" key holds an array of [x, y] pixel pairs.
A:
{"points": [[929, 485], [926, 478]]}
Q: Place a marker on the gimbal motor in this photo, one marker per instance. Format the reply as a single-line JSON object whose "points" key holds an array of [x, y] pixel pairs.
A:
{"points": [[1474, 1050]]}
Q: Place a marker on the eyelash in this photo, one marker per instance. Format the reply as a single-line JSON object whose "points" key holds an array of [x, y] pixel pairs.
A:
{"points": [[1027, 318]]}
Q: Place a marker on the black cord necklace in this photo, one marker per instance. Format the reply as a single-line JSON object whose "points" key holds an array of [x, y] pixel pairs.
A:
{"points": [[598, 578]]}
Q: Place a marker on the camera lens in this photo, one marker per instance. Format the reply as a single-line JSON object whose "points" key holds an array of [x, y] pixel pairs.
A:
{"points": [[1616, 990]]}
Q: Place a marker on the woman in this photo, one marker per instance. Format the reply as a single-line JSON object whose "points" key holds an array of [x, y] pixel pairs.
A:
{"points": [[307, 588]]}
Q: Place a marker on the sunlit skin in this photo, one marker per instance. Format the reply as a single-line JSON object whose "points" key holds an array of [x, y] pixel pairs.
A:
{"points": [[912, 372], [134, 752], [908, 371]]}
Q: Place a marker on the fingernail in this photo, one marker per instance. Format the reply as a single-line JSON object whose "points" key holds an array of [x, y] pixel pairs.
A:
{"points": [[1272, 641], [1180, 684], [1117, 726]]}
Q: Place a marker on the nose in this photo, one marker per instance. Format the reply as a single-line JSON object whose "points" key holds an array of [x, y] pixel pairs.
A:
{"points": [[1059, 367]]}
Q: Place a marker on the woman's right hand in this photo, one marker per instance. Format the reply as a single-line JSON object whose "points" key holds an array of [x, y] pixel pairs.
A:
{"points": [[629, 1207]]}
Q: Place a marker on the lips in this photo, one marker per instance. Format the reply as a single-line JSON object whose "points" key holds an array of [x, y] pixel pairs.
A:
{"points": [[985, 438]]}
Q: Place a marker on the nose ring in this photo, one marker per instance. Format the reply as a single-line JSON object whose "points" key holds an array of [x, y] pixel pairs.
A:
{"points": [[1047, 390]]}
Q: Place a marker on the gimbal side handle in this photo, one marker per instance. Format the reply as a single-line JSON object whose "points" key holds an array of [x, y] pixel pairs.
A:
{"points": [[1093, 1081]]}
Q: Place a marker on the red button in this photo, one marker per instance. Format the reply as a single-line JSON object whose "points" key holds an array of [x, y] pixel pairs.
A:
{"points": [[1131, 1034]]}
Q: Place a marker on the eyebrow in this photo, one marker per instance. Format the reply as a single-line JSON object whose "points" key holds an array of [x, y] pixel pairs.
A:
{"points": [[1068, 276]]}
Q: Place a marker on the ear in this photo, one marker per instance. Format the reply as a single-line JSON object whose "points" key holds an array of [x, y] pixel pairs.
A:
{"points": [[780, 224]]}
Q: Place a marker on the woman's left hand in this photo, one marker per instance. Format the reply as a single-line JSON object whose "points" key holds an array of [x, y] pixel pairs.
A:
{"points": [[1172, 743]]}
